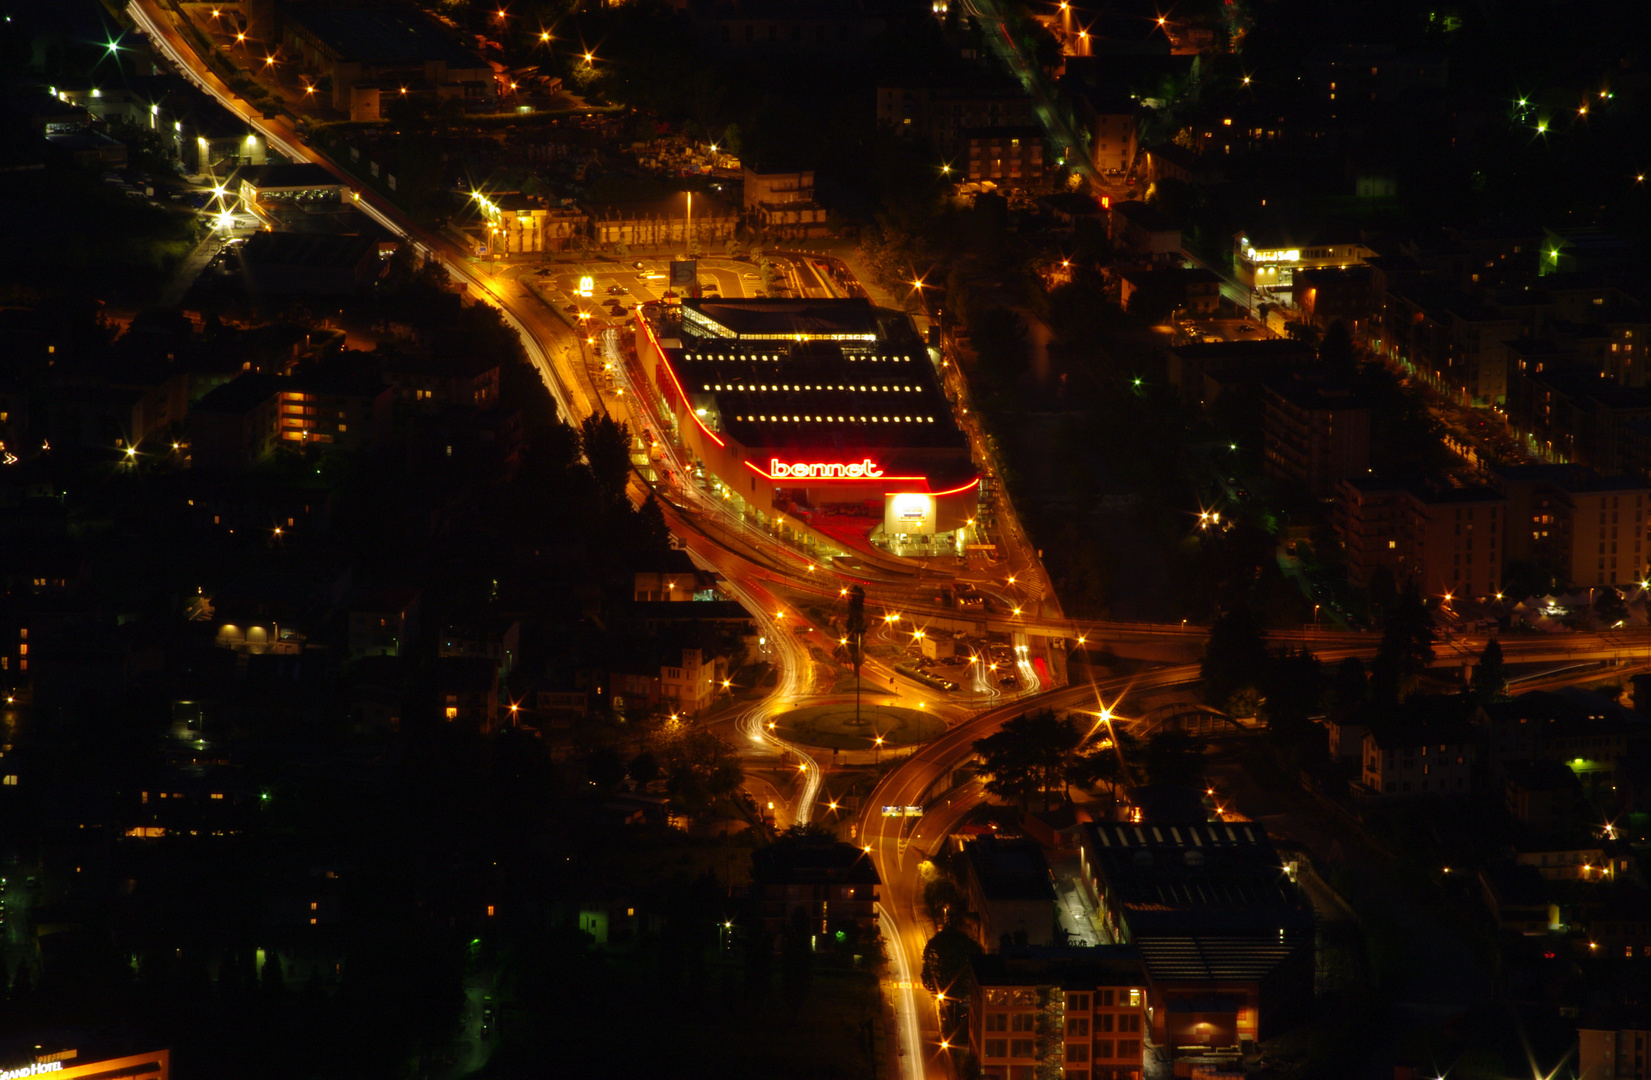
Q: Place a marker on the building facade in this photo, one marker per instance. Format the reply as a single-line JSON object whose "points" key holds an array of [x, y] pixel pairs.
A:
{"points": [[1314, 435], [801, 410]]}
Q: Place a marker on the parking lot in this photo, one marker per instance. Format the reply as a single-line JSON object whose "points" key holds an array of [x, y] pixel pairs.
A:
{"points": [[617, 287]]}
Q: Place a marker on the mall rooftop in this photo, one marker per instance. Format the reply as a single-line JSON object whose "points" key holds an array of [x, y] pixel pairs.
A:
{"points": [[843, 374]]}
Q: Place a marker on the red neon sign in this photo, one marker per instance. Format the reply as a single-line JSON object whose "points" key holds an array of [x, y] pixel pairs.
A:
{"points": [[865, 469], [821, 471]]}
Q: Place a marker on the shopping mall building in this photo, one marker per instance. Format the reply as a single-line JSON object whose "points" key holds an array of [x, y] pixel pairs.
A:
{"points": [[825, 417]]}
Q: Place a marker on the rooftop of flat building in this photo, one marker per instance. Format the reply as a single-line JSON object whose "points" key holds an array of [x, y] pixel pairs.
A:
{"points": [[1071, 968], [1009, 870], [310, 251], [303, 175], [1314, 396]]}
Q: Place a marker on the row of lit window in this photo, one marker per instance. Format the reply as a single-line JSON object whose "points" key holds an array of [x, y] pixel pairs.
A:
{"points": [[842, 419], [790, 386]]}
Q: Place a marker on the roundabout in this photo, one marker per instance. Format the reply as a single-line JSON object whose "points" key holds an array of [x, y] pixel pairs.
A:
{"points": [[833, 726]]}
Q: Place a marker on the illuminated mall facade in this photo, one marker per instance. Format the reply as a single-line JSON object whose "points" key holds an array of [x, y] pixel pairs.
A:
{"points": [[814, 416]]}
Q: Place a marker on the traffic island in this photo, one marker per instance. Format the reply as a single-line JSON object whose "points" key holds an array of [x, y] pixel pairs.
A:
{"points": [[881, 729]]}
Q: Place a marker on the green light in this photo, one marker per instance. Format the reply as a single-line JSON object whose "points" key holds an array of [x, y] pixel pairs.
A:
{"points": [[1137, 382], [1542, 128]]}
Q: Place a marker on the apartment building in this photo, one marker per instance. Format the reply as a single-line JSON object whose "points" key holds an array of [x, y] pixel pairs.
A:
{"points": [[782, 204], [823, 881], [1612, 1046], [1446, 540], [1011, 894], [1314, 434], [1424, 748], [1093, 1002], [1008, 156], [689, 685], [1592, 530]]}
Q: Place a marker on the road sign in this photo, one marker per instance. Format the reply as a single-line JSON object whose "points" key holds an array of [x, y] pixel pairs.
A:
{"points": [[902, 811]]}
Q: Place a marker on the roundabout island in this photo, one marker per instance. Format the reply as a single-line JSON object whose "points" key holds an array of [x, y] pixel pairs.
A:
{"points": [[833, 727]]}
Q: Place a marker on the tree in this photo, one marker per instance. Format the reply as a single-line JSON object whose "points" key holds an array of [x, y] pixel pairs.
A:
{"points": [[944, 900], [699, 768], [1028, 756], [1351, 686], [1609, 607], [607, 448], [1490, 675], [1336, 349], [271, 980], [1381, 593], [1406, 650], [1235, 656], [946, 963], [652, 533], [1172, 757], [605, 768], [644, 768], [797, 960], [1096, 767], [1000, 342], [1293, 686]]}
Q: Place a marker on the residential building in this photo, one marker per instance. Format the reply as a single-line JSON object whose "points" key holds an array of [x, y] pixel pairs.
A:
{"points": [[335, 409], [1096, 997], [1588, 733], [672, 220], [1578, 856], [383, 620], [1011, 894], [1199, 370], [1517, 897], [236, 424], [821, 882], [1327, 295], [517, 223], [466, 691], [1314, 434], [1159, 292], [1613, 1045], [1424, 748], [430, 382], [688, 685], [781, 204], [1589, 529], [1226, 938], [776, 28], [366, 49], [1543, 794], [1007, 156], [1445, 540], [1143, 230], [941, 112]]}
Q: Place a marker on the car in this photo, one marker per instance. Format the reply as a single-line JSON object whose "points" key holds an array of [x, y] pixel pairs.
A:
{"points": [[543, 271], [1245, 328], [637, 266], [572, 309], [615, 290], [1008, 681]]}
